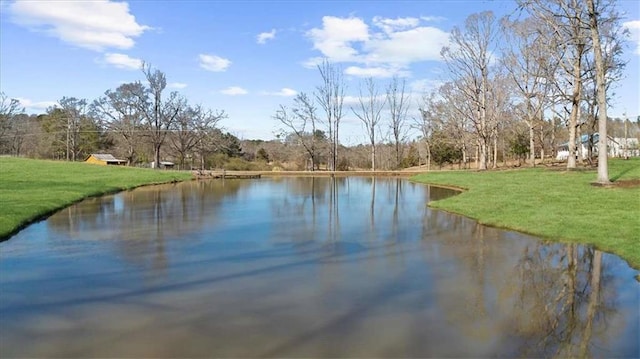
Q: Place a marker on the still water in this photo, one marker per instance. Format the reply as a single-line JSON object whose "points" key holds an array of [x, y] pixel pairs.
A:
{"points": [[303, 267]]}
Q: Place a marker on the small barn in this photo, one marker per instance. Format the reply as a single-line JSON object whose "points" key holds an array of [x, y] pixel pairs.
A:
{"points": [[163, 164], [104, 159]]}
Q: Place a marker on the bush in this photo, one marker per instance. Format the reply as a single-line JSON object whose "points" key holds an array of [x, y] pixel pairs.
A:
{"points": [[240, 164]]}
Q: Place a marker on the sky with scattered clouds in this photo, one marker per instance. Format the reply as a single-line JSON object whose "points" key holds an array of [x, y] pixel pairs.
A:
{"points": [[246, 57]]}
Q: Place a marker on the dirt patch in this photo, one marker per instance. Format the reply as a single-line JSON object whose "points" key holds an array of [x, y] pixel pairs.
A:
{"points": [[619, 184], [626, 183]]}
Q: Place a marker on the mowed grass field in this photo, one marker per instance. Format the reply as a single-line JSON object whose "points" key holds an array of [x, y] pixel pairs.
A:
{"points": [[553, 204], [32, 189]]}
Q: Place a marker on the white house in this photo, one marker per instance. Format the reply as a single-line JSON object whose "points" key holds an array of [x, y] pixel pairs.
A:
{"points": [[616, 146]]}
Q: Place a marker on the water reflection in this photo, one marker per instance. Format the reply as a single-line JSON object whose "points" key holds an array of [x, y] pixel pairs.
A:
{"points": [[309, 267]]}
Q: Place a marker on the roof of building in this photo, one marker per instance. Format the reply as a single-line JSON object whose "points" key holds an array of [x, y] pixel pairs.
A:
{"points": [[584, 139], [106, 157]]}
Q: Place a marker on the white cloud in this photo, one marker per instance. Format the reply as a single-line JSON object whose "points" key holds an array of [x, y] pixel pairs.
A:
{"points": [[370, 71], [634, 30], [264, 36], [336, 36], [123, 61], [95, 25], [392, 25], [177, 85], [284, 92], [35, 107], [385, 49], [312, 62], [432, 18], [234, 91], [213, 63], [417, 44], [424, 85]]}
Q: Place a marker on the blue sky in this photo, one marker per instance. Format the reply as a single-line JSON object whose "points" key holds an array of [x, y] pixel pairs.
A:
{"points": [[246, 57]]}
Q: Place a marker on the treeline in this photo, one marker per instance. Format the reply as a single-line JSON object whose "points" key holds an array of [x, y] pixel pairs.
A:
{"points": [[137, 122], [516, 89]]}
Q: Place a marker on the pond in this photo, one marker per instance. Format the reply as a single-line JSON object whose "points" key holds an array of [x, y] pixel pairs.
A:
{"points": [[303, 267]]}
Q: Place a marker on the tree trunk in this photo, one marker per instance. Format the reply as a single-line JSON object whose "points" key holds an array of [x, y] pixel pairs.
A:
{"points": [[575, 106], [579, 143], [156, 157], [373, 156], [532, 145], [483, 123], [603, 168], [495, 151]]}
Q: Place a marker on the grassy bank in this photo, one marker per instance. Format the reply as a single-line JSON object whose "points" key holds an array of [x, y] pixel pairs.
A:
{"points": [[32, 189], [553, 204]]}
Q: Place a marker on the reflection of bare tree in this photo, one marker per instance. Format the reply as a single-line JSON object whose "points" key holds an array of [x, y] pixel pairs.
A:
{"points": [[142, 222], [334, 205], [314, 209], [453, 289], [159, 262], [556, 303], [562, 286], [594, 300], [372, 206]]}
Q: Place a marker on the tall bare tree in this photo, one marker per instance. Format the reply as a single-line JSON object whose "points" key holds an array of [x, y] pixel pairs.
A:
{"points": [[122, 113], [565, 31], [330, 97], [75, 110], [528, 62], [602, 14], [193, 124], [424, 123], [302, 122], [469, 59], [370, 106], [9, 110], [398, 104], [159, 114]]}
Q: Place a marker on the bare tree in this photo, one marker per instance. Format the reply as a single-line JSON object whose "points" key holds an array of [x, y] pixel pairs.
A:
{"points": [[302, 121], [528, 62], [468, 60], [398, 103], [424, 123], [602, 12], [370, 106], [121, 110], [159, 114], [192, 126], [9, 110], [330, 97], [565, 31], [74, 110]]}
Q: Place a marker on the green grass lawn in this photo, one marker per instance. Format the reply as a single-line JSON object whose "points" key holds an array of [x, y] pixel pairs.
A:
{"points": [[553, 204], [32, 189]]}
